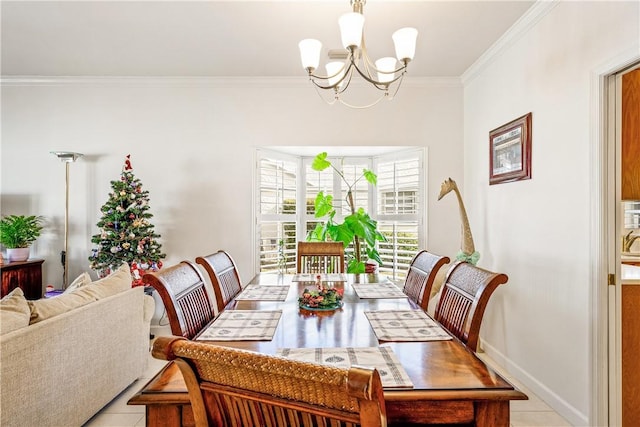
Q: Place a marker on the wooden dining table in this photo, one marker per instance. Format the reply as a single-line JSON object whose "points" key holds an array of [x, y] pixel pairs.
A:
{"points": [[450, 383]]}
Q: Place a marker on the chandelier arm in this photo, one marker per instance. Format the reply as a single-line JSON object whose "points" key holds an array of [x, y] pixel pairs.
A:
{"points": [[347, 79], [368, 63], [401, 68], [397, 87], [378, 85], [367, 73], [362, 107], [347, 72], [329, 102]]}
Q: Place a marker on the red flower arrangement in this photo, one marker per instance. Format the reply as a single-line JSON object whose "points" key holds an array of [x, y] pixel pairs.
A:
{"points": [[322, 298]]}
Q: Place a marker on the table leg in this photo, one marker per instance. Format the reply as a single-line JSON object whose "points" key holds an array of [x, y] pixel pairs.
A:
{"points": [[492, 414], [169, 416]]}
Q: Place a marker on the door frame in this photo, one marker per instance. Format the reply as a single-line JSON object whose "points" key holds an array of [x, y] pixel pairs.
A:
{"points": [[606, 402]]}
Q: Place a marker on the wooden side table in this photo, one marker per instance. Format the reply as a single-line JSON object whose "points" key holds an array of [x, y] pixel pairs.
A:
{"points": [[26, 275]]}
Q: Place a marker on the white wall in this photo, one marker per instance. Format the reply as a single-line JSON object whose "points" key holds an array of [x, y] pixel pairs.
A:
{"points": [[192, 143], [538, 231]]}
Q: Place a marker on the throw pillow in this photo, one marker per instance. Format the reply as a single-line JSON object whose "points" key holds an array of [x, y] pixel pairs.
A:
{"points": [[46, 308], [118, 281], [114, 283], [80, 281], [14, 311]]}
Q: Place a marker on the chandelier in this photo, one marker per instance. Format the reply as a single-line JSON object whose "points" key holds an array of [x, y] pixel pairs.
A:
{"points": [[385, 74]]}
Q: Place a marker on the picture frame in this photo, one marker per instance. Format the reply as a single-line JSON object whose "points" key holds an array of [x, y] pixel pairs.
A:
{"points": [[510, 151]]}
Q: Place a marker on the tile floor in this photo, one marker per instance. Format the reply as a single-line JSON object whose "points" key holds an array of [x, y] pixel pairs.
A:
{"points": [[528, 413]]}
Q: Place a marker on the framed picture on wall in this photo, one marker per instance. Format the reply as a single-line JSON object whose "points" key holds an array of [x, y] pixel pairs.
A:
{"points": [[510, 151]]}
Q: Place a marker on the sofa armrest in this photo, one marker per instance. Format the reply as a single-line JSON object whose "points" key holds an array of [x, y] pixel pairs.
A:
{"points": [[149, 309]]}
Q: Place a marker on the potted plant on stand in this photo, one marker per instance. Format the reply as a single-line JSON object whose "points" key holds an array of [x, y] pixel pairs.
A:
{"points": [[17, 233], [357, 229]]}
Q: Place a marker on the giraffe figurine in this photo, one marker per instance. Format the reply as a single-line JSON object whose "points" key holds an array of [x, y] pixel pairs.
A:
{"points": [[467, 252]]}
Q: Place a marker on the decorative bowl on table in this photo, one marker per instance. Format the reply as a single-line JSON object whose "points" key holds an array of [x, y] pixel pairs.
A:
{"points": [[323, 299]]}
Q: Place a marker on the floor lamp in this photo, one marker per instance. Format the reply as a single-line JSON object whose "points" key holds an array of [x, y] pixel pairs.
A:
{"points": [[67, 157]]}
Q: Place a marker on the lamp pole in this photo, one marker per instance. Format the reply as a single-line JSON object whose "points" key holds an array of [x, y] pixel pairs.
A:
{"points": [[67, 157]]}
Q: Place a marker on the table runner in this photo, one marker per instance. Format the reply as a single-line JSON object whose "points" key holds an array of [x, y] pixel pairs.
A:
{"points": [[311, 277], [264, 293], [243, 325], [392, 374], [405, 325], [378, 290]]}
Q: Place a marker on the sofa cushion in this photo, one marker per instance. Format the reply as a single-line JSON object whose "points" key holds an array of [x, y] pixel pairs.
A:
{"points": [[80, 281], [14, 311], [44, 309], [114, 283], [118, 281]]}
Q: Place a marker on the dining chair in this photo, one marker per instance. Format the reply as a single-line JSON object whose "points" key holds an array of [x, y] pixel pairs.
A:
{"points": [[232, 387], [320, 257], [185, 297], [465, 294], [421, 276], [224, 276]]}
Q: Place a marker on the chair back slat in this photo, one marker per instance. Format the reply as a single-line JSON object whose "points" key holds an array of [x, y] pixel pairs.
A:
{"points": [[184, 295], [320, 257], [191, 305], [454, 310], [232, 387], [464, 298], [224, 276], [320, 264], [421, 276]]}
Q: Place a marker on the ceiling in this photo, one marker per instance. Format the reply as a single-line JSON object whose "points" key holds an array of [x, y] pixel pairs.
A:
{"points": [[235, 38]]}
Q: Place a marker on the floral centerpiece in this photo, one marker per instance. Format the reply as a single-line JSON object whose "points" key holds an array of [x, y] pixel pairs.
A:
{"points": [[321, 298]]}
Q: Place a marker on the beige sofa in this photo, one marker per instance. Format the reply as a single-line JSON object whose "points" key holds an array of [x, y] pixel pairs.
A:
{"points": [[75, 356]]}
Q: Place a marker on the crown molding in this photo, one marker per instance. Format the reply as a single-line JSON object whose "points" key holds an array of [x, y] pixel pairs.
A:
{"points": [[527, 21], [184, 81]]}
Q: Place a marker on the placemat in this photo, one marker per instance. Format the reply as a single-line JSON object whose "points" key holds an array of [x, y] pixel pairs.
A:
{"points": [[378, 290], [263, 293], [383, 359], [243, 325], [311, 277], [405, 325]]}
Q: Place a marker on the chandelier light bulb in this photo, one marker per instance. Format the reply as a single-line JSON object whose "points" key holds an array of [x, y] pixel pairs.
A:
{"points": [[335, 71], [386, 67], [351, 25], [405, 42], [310, 53]]}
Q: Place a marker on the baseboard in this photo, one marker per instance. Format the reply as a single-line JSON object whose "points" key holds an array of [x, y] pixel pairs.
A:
{"points": [[558, 404]]}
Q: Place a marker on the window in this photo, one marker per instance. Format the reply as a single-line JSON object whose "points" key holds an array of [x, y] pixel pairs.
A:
{"points": [[401, 246], [399, 212], [277, 213], [286, 182]]}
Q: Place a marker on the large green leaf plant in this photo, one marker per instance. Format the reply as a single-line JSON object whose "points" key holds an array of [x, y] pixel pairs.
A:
{"points": [[357, 228]]}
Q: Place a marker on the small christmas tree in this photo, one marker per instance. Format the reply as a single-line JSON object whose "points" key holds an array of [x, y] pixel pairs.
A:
{"points": [[126, 235]]}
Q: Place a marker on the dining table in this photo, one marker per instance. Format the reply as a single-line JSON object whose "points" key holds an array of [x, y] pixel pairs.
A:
{"points": [[448, 383]]}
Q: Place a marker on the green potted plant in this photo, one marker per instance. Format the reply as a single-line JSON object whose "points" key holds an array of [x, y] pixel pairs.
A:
{"points": [[17, 233], [358, 228]]}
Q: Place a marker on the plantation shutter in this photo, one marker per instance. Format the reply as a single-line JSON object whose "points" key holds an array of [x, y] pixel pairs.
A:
{"points": [[400, 194], [277, 213]]}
